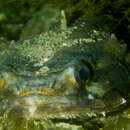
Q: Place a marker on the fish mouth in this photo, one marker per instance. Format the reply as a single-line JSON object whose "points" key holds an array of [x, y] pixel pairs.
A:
{"points": [[37, 106]]}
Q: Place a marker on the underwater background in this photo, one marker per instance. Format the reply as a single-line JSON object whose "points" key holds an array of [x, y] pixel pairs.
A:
{"points": [[113, 16]]}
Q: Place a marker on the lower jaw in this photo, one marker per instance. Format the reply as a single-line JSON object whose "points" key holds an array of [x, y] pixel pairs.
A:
{"points": [[51, 107]]}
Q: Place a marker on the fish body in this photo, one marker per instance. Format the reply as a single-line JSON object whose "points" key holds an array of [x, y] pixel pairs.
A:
{"points": [[63, 79]]}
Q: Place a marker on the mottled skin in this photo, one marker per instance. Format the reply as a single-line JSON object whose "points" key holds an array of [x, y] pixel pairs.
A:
{"points": [[64, 79]]}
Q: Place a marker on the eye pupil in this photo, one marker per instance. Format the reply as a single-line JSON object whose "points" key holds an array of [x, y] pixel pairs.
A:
{"points": [[83, 73]]}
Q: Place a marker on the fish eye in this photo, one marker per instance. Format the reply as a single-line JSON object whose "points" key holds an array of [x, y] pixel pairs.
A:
{"points": [[82, 74]]}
